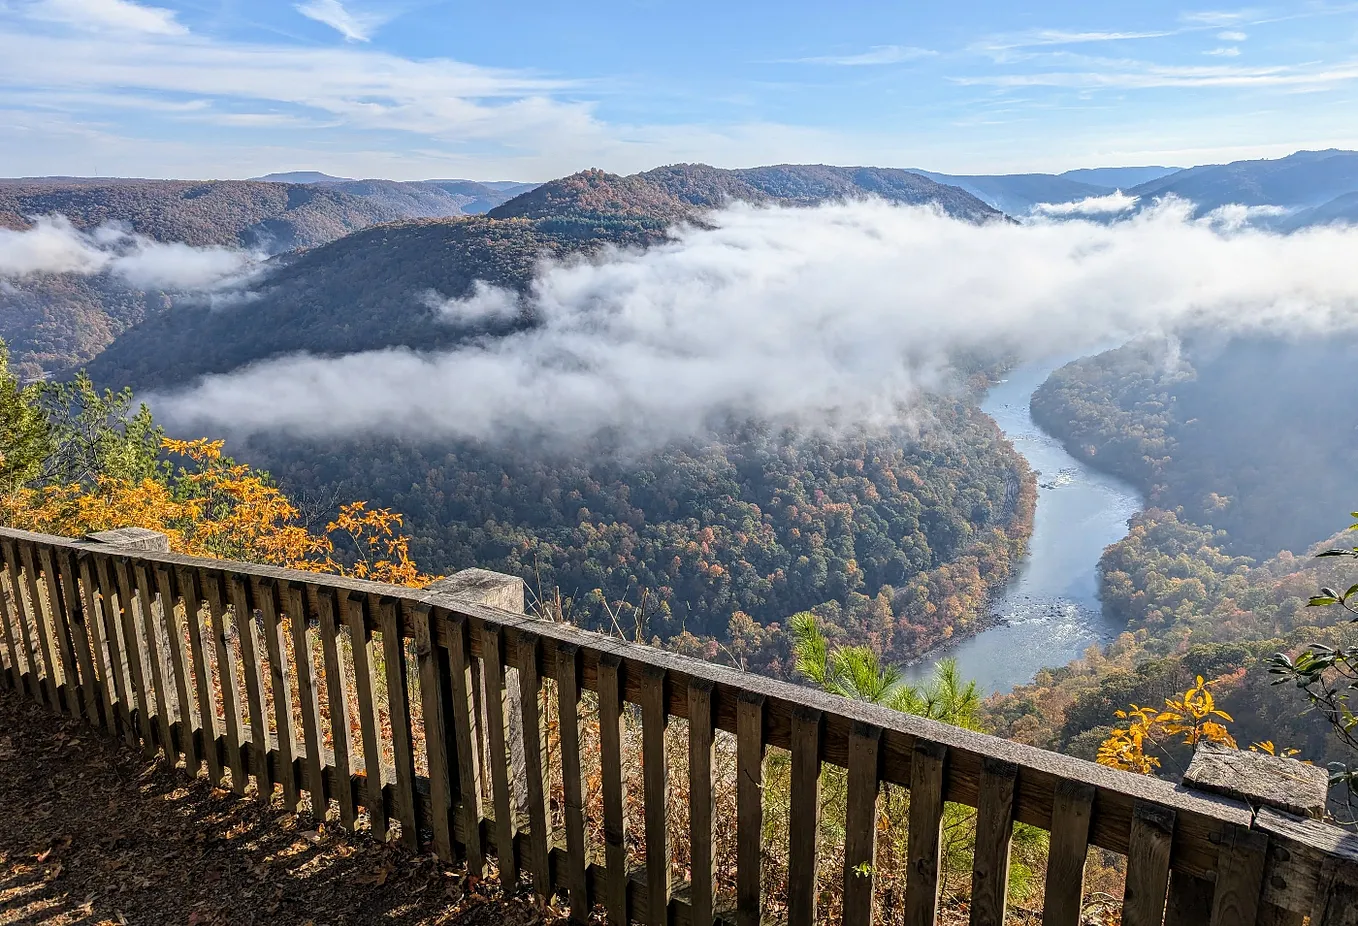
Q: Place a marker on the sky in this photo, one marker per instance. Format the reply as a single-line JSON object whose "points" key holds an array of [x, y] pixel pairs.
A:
{"points": [[534, 89]]}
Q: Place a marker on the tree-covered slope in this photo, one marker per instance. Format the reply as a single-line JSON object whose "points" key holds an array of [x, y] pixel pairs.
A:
{"points": [[1256, 437]]}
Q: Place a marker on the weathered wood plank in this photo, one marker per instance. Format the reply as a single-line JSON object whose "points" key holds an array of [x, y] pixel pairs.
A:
{"points": [[308, 700], [750, 809], [64, 613], [1298, 851], [280, 688], [174, 644], [1072, 808], [365, 687], [111, 612], [30, 674], [41, 610], [1336, 900], [860, 824], [468, 766], [926, 823], [247, 636], [95, 622], [804, 814], [1143, 902], [614, 787], [497, 755], [227, 674], [134, 653], [336, 698], [11, 613], [535, 760], [78, 619], [702, 796], [433, 682], [568, 696], [398, 706], [655, 722], [1240, 878], [190, 589], [994, 832], [146, 606]]}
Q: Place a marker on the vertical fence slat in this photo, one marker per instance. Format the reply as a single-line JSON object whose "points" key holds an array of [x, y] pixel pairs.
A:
{"points": [[145, 593], [701, 798], [29, 678], [190, 588], [175, 645], [41, 611], [1148, 847], [497, 755], [656, 784], [226, 677], [63, 616], [468, 767], [365, 687], [804, 813], [299, 621], [11, 613], [994, 832], [860, 823], [614, 786], [337, 699], [134, 653], [280, 688], [81, 620], [535, 760], [398, 708], [1240, 877], [749, 809], [111, 610], [926, 821], [433, 684], [568, 696], [241, 595], [1072, 810], [95, 622]]}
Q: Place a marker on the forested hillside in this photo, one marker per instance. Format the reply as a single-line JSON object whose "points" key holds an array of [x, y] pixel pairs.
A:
{"points": [[1256, 437]]}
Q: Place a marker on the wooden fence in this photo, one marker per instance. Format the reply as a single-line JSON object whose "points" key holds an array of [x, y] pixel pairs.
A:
{"points": [[149, 646]]}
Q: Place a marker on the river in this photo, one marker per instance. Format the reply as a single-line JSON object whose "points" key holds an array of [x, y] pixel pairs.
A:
{"points": [[1050, 612]]}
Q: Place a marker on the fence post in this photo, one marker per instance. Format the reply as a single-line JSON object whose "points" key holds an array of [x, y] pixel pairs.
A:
{"points": [[506, 592], [1261, 781]]}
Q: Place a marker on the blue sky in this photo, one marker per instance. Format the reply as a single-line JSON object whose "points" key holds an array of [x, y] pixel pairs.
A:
{"points": [[532, 89]]}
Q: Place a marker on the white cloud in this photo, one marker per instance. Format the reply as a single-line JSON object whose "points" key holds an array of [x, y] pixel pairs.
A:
{"points": [[1232, 35], [486, 303], [1111, 204], [829, 317], [53, 245], [878, 54], [1038, 38], [117, 15], [1217, 18], [1227, 52], [356, 27], [1141, 75]]}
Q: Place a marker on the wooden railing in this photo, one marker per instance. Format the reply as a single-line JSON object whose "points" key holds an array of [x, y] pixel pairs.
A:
{"points": [[150, 646]]}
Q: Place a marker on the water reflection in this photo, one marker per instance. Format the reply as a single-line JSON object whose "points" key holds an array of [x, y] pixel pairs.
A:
{"points": [[1051, 607]]}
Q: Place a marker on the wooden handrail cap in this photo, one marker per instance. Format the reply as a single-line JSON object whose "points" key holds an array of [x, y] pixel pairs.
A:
{"points": [[1259, 779]]}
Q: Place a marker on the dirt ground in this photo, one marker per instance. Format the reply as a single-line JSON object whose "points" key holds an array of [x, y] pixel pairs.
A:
{"points": [[91, 833]]}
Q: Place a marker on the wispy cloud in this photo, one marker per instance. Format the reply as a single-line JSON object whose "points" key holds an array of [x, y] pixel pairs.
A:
{"points": [[1217, 17], [354, 26], [1232, 35], [116, 15], [878, 54], [1132, 74], [1111, 204], [1039, 38], [1229, 51]]}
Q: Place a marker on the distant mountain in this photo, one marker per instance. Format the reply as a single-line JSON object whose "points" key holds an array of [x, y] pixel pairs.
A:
{"points": [[1341, 209], [1118, 178], [368, 290], [1300, 181], [1017, 194], [300, 176]]}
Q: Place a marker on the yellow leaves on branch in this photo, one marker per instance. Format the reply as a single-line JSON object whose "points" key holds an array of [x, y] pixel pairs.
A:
{"points": [[1190, 718], [213, 506]]}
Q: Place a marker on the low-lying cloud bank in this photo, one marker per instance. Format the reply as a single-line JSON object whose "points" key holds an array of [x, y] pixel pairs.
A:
{"points": [[54, 245], [1111, 204], [828, 317]]}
